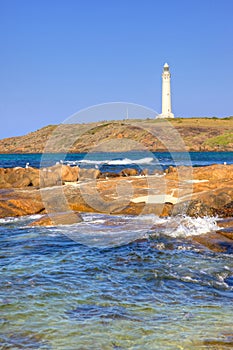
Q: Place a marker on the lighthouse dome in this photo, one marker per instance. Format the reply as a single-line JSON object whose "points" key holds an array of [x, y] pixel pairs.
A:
{"points": [[166, 65]]}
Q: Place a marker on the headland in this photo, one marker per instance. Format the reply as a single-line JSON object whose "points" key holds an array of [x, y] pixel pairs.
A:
{"points": [[198, 134], [60, 192]]}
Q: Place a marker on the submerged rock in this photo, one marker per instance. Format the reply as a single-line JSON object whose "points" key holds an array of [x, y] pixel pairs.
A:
{"points": [[227, 232], [68, 218], [140, 195], [223, 342], [89, 311], [23, 340], [215, 241]]}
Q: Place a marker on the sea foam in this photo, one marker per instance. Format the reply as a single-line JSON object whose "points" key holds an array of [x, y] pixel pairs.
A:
{"points": [[106, 230], [124, 161]]}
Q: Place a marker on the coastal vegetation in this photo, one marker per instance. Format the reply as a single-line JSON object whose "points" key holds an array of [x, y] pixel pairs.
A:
{"points": [[198, 134], [225, 140]]}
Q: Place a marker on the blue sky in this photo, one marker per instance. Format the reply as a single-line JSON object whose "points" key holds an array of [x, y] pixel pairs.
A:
{"points": [[60, 56]]}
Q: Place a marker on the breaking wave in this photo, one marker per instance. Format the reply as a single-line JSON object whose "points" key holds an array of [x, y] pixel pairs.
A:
{"points": [[105, 230], [185, 226], [19, 219], [124, 161]]}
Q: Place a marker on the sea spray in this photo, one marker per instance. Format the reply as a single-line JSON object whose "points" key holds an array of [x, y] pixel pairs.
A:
{"points": [[146, 293], [186, 226], [102, 230]]}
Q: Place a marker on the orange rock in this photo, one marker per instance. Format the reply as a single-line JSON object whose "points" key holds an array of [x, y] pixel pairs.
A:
{"points": [[144, 172], [214, 241], [54, 219], [67, 173], [129, 172], [33, 175], [19, 204], [86, 174], [227, 233], [49, 178], [214, 172], [171, 169]]}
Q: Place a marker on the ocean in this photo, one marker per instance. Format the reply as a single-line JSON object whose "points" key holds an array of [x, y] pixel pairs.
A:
{"points": [[87, 286], [117, 161]]}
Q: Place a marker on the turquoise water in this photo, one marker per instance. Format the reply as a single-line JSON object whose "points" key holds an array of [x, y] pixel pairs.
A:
{"points": [[114, 282], [158, 291]]}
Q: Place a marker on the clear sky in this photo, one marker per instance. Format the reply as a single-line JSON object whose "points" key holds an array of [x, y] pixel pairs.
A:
{"points": [[60, 56]]}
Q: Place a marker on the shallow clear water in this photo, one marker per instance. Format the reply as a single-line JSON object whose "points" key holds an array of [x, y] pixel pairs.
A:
{"points": [[156, 291], [114, 282]]}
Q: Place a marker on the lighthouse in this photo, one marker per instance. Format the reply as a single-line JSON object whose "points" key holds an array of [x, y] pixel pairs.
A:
{"points": [[166, 94]]}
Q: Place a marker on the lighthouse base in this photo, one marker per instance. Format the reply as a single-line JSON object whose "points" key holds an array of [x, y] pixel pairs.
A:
{"points": [[165, 116]]}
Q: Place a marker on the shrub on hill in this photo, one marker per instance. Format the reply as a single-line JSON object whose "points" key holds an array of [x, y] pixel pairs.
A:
{"points": [[221, 140]]}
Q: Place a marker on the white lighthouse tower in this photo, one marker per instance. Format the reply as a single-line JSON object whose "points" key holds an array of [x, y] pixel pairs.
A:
{"points": [[166, 94]]}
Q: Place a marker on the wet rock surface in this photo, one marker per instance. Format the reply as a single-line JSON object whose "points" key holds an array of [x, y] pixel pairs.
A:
{"points": [[224, 341], [208, 192], [20, 203], [62, 191], [54, 219], [215, 241]]}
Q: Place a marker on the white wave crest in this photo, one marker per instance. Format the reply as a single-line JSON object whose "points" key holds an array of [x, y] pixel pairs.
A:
{"points": [[146, 160], [124, 161], [102, 230], [11, 219], [185, 226], [179, 226]]}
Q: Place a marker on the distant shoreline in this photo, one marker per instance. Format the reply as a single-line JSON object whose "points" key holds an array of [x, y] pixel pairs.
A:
{"points": [[153, 135], [93, 152]]}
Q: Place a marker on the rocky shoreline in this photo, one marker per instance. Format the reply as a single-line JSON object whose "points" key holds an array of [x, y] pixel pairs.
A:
{"points": [[62, 192]]}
